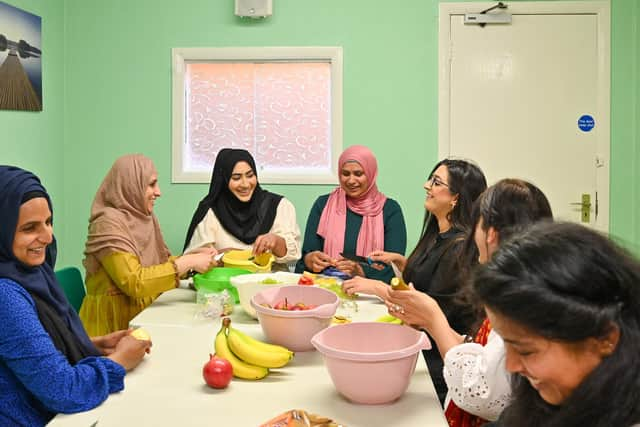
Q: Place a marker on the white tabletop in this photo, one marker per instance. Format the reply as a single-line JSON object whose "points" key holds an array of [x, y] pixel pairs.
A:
{"points": [[167, 388]]}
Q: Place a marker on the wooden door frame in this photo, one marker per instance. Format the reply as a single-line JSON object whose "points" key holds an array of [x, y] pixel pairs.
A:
{"points": [[601, 9]]}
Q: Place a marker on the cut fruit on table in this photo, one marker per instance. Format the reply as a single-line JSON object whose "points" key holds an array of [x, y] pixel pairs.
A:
{"points": [[262, 259]]}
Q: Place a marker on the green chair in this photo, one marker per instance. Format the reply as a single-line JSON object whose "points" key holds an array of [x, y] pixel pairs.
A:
{"points": [[72, 284]]}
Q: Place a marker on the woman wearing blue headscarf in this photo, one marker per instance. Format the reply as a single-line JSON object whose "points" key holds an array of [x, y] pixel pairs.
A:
{"points": [[48, 364]]}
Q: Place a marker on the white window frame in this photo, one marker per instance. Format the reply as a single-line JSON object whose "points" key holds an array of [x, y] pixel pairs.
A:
{"points": [[182, 56]]}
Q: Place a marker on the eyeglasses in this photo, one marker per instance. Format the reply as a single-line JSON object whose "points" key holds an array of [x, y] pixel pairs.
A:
{"points": [[436, 182]]}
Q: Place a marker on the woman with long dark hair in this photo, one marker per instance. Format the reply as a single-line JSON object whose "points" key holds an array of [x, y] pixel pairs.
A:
{"points": [[566, 301], [441, 260], [474, 364]]}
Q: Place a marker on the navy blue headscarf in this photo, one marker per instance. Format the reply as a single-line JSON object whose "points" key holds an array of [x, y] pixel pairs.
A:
{"points": [[54, 311]]}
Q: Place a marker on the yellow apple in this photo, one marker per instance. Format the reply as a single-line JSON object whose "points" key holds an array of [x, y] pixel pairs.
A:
{"points": [[141, 334]]}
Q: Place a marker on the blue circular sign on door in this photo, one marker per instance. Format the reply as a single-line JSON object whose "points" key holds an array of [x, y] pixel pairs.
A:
{"points": [[586, 123]]}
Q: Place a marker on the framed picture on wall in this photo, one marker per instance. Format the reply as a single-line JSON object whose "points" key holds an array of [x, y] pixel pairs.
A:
{"points": [[20, 59]]}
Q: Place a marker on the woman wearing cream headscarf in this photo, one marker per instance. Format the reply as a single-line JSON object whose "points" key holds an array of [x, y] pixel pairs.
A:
{"points": [[127, 261]]}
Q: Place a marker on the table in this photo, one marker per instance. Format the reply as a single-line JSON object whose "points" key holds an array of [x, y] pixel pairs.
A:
{"points": [[167, 388]]}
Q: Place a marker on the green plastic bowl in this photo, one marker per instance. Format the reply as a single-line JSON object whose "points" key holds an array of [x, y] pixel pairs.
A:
{"points": [[217, 280]]}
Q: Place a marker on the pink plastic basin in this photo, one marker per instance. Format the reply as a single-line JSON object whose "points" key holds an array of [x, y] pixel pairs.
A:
{"points": [[370, 362], [294, 329]]}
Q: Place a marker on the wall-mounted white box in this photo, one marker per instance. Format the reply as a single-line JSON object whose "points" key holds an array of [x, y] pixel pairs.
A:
{"points": [[254, 8]]}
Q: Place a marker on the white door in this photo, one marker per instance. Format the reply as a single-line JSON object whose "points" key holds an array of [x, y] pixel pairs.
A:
{"points": [[530, 99]]}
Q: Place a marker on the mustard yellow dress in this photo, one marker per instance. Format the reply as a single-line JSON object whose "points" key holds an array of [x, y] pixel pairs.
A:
{"points": [[122, 288]]}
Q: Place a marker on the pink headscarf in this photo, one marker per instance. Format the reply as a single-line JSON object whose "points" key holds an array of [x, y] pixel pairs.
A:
{"points": [[334, 216]]}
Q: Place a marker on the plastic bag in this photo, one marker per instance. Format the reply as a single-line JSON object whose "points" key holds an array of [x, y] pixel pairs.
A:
{"points": [[213, 304]]}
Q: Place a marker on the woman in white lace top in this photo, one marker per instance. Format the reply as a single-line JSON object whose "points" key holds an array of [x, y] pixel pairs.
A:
{"points": [[474, 368], [566, 301]]}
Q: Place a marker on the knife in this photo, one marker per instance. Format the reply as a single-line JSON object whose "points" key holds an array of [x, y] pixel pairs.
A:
{"points": [[396, 270], [356, 258]]}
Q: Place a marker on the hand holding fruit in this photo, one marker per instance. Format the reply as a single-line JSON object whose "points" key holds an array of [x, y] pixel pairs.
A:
{"points": [[414, 307], [141, 334], [129, 352], [106, 344], [270, 242], [317, 261], [200, 261], [352, 268], [365, 286]]}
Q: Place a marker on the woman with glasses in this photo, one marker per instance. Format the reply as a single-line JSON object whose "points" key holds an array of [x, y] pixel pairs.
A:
{"points": [[438, 263], [474, 364], [355, 219]]}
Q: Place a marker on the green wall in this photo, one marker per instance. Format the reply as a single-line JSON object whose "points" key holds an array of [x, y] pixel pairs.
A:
{"points": [[118, 75], [32, 140], [112, 79], [625, 121], [118, 79]]}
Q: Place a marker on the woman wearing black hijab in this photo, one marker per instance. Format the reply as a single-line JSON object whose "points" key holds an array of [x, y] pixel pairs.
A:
{"points": [[48, 364], [238, 214]]}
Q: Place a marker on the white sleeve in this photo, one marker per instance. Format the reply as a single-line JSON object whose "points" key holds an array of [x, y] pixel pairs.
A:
{"points": [[477, 378], [285, 225], [205, 233]]}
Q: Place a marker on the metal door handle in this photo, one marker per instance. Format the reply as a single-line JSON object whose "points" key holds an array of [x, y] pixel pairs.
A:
{"points": [[585, 207]]}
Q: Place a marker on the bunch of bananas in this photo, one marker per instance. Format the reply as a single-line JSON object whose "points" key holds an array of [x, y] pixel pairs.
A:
{"points": [[249, 357]]}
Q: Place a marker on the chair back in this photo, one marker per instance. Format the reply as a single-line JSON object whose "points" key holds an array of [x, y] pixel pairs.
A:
{"points": [[72, 284]]}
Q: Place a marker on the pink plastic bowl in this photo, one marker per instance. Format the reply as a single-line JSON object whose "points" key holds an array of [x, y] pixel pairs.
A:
{"points": [[370, 362], [294, 329]]}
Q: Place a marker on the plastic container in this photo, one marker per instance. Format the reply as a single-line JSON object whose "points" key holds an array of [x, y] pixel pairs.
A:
{"points": [[217, 279], [240, 259], [294, 329], [249, 285], [370, 362]]}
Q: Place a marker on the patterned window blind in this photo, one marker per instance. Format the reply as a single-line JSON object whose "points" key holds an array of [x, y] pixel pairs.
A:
{"points": [[282, 104], [280, 112]]}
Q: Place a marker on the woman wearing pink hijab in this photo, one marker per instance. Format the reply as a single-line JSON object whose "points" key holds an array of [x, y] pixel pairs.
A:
{"points": [[354, 219]]}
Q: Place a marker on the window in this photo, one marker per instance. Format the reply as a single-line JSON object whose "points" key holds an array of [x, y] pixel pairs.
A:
{"points": [[282, 104]]}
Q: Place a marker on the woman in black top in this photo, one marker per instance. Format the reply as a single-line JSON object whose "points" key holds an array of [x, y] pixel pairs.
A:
{"points": [[441, 259]]}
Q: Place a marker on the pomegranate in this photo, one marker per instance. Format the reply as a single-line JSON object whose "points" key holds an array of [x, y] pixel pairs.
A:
{"points": [[217, 372]]}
